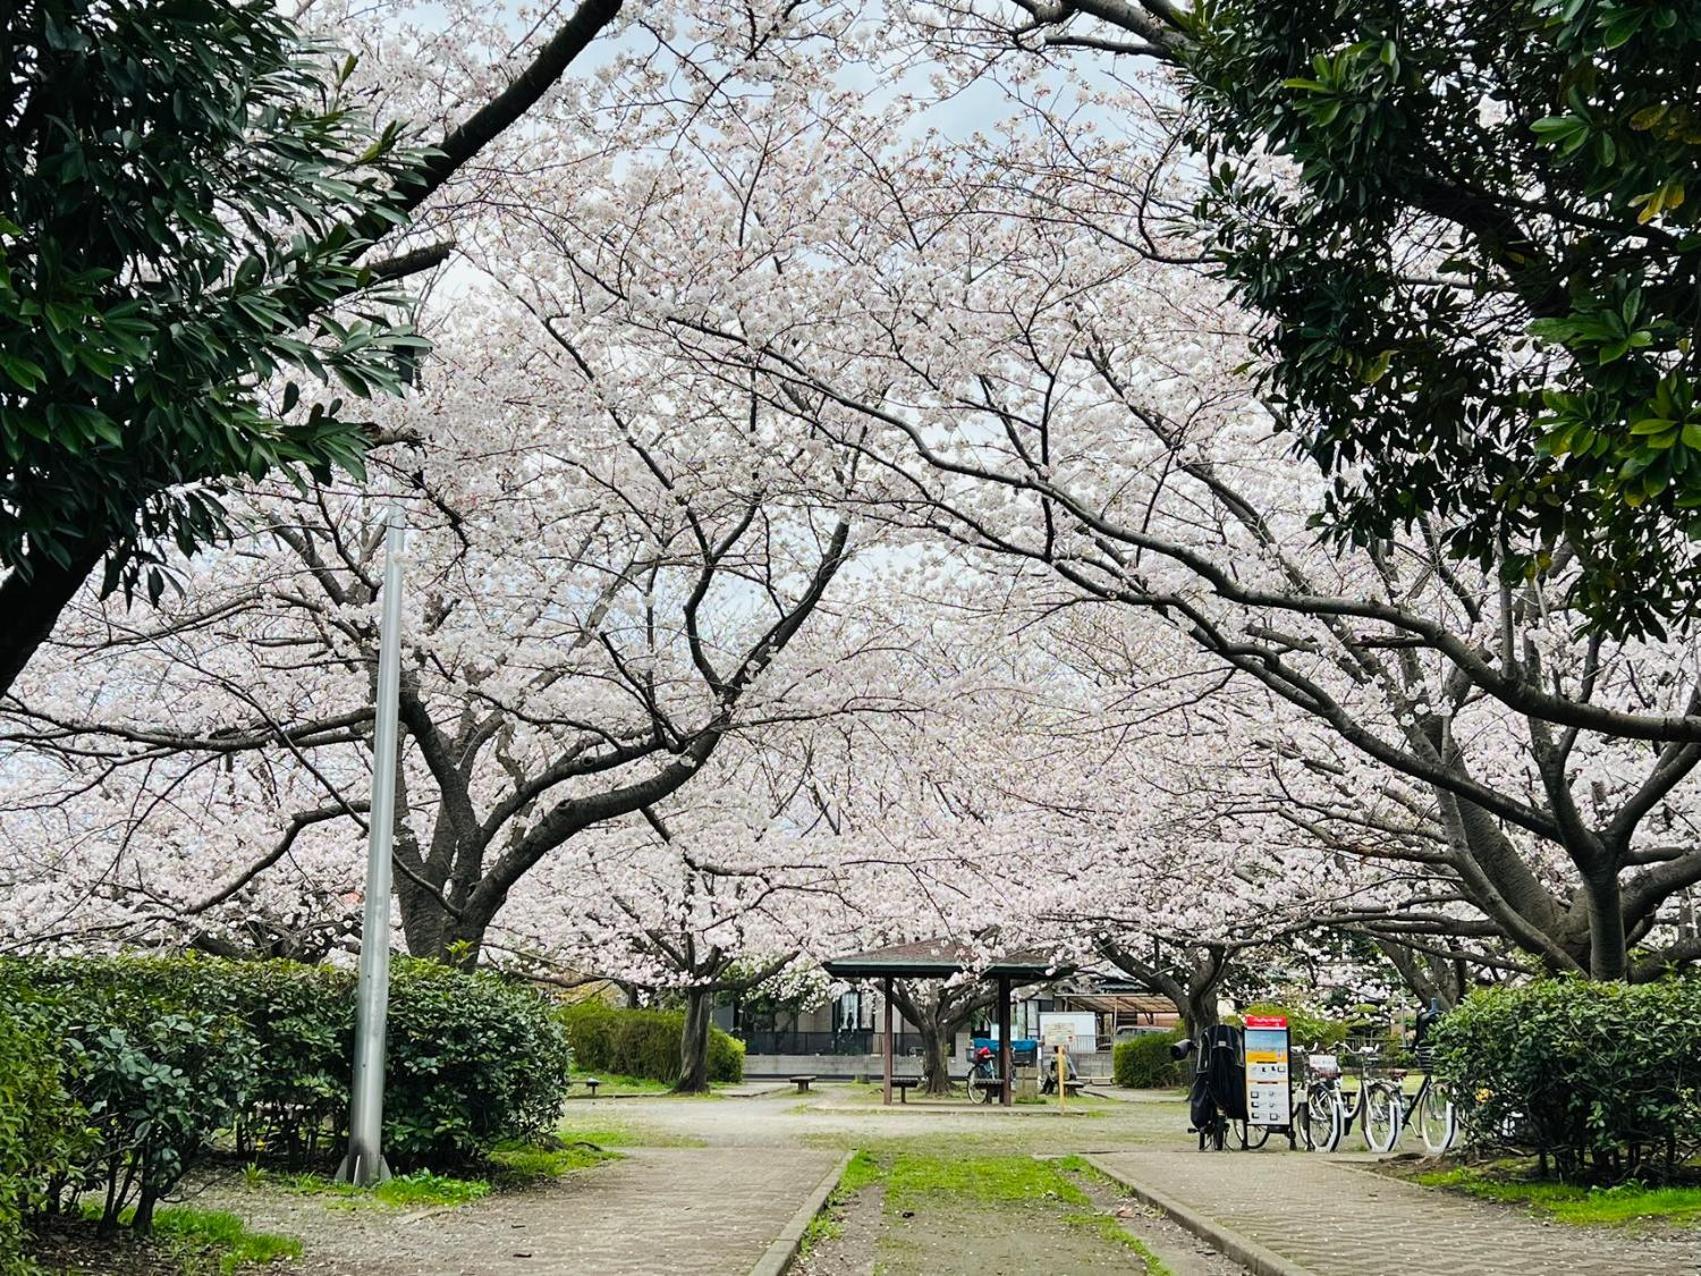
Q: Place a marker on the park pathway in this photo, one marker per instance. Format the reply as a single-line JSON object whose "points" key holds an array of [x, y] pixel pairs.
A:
{"points": [[1333, 1216], [680, 1211]]}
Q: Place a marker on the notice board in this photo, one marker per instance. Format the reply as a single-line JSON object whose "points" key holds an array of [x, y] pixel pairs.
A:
{"points": [[1267, 1090]]}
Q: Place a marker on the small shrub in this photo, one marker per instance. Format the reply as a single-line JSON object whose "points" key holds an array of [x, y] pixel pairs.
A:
{"points": [[1602, 1080], [154, 1074], [265, 1049], [642, 1043], [474, 1059], [1143, 1062], [41, 1133], [726, 1056]]}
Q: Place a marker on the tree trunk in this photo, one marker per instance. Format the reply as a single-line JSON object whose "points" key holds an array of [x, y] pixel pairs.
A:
{"points": [[424, 923], [32, 601], [433, 933], [1199, 999], [935, 1056], [694, 1044], [1609, 954], [936, 1014], [1200, 1010]]}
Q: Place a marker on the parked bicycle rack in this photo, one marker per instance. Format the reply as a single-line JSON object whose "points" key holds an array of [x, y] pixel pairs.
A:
{"points": [[1241, 1082]]}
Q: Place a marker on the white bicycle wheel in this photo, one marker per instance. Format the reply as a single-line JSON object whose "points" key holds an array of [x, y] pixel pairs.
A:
{"points": [[1379, 1112], [1328, 1117], [1438, 1123]]}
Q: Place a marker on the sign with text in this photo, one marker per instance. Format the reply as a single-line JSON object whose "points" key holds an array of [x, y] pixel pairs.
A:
{"points": [[1267, 1091], [1074, 1030]]}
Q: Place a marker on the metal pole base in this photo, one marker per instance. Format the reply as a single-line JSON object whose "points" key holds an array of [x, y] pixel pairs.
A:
{"points": [[359, 1170]]}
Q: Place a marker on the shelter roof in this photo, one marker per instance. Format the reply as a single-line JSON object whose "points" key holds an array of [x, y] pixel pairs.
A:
{"points": [[940, 959]]}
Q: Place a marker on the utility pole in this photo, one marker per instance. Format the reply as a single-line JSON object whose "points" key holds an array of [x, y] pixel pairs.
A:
{"points": [[364, 1165]]}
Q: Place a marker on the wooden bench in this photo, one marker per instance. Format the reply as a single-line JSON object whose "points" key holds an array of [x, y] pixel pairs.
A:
{"points": [[802, 1082], [903, 1085]]}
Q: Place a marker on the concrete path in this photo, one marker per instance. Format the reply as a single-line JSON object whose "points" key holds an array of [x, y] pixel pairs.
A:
{"points": [[1333, 1216], [680, 1211]]}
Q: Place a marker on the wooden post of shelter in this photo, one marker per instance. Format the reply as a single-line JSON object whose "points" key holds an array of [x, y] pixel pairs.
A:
{"points": [[1006, 1056], [886, 1039]]}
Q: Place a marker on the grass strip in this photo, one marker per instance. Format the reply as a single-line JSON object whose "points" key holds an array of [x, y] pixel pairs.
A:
{"points": [[1573, 1203]]}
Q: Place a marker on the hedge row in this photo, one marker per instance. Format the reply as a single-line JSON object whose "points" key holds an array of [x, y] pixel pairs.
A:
{"points": [[1143, 1062], [154, 1058], [40, 1136], [642, 1043], [1601, 1080]]}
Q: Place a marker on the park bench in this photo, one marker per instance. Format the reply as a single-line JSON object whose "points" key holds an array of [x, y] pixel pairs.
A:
{"points": [[903, 1085], [802, 1082]]}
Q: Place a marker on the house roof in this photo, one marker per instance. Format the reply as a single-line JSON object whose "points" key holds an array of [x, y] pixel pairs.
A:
{"points": [[940, 959], [1118, 1002]]}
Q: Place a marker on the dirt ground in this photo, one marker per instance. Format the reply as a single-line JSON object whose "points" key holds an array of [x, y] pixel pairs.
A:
{"points": [[703, 1185]]}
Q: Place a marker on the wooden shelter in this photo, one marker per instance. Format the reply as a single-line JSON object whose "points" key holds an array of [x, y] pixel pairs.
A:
{"points": [[941, 959]]}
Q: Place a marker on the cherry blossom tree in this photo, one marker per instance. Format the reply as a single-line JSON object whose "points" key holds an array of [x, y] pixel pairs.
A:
{"points": [[1022, 384], [605, 589]]}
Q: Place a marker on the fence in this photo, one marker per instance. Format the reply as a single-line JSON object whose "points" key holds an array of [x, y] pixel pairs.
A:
{"points": [[849, 1041]]}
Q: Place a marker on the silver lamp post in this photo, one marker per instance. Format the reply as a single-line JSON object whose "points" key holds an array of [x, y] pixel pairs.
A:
{"points": [[364, 1165]]}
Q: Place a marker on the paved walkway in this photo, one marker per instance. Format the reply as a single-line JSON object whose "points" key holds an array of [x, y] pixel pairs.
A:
{"points": [[680, 1211], [1332, 1216]]}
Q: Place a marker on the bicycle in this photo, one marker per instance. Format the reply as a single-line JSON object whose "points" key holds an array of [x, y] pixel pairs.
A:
{"points": [[1249, 1137], [983, 1082], [1324, 1136], [1437, 1120], [1332, 1110]]}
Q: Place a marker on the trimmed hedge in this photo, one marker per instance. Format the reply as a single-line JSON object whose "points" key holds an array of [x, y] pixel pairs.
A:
{"points": [[1601, 1080], [162, 1054], [40, 1133], [1143, 1062], [642, 1043]]}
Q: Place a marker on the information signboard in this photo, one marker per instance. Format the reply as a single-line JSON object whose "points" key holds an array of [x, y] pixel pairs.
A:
{"points": [[1075, 1030], [1267, 1090]]}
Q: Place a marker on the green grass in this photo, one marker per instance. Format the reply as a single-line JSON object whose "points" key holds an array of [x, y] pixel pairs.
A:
{"points": [[511, 1165], [517, 1164], [987, 1180], [1104, 1224], [614, 1083], [610, 1136], [413, 1191], [1109, 1231], [209, 1241], [861, 1170], [233, 1245], [823, 1227], [1570, 1202], [617, 1083]]}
